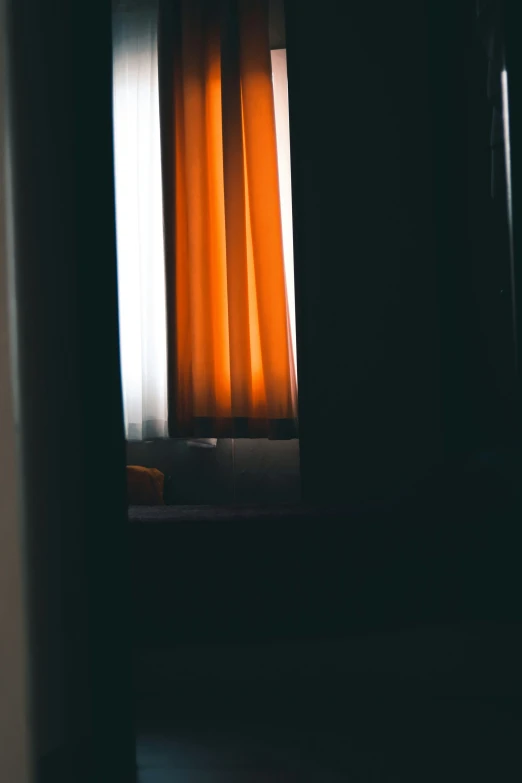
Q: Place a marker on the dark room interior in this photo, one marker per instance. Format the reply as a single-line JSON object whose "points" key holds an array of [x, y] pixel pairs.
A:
{"points": [[337, 602]]}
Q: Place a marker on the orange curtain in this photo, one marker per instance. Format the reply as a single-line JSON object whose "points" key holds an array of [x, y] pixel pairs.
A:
{"points": [[231, 366]]}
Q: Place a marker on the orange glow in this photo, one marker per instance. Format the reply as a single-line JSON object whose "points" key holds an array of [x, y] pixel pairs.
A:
{"points": [[233, 357]]}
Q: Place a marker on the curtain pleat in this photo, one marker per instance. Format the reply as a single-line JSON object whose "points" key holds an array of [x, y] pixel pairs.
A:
{"points": [[236, 222], [231, 371], [264, 205]]}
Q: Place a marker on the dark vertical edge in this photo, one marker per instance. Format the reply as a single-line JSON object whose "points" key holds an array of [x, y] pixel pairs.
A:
{"points": [[294, 100], [100, 414], [69, 381], [168, 39], [306, 234], [513, 61], [507, 572]]}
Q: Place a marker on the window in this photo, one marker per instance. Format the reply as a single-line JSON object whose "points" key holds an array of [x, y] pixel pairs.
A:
{"points": [[140, 226]]}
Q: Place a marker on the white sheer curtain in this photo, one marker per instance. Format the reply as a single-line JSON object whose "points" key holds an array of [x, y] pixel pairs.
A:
{"points": [[139, 222]]}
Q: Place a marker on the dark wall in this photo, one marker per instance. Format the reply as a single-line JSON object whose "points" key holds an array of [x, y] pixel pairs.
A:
{"points": [[69, 386], [490, 259], [472, 250], [394, 370], [365, 254]]}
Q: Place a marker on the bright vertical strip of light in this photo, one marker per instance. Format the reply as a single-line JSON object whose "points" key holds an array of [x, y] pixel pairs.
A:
{"points": [[280, 82], [139, 223], [507, 141], [509, 193]]}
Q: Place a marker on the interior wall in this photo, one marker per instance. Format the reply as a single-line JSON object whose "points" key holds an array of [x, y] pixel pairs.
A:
{"points": [[490, 257], [43, 218], [239, 471], [16, 750], [69, 387], [394, 375], [477, 367], [365, 255]]}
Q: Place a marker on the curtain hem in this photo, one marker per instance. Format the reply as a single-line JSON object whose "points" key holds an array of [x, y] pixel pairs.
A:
{"points": [[238, 427]]}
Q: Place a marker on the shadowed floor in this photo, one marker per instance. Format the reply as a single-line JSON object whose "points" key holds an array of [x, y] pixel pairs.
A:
{"points": [[459, 719]]}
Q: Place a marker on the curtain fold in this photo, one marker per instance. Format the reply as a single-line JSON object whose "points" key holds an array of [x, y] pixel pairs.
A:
{"points": [[231, 363]]}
